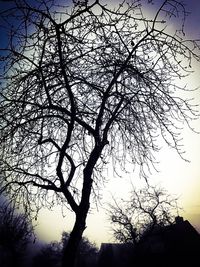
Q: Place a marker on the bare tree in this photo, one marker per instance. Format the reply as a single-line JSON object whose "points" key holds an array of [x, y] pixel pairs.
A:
{"points": [[146, 209], [16, 232], [81, 85]]}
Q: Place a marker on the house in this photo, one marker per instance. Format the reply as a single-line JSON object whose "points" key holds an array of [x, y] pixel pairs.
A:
{"points": [[173, 245]]}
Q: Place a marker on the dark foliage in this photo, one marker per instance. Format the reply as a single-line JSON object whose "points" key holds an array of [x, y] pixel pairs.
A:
{"points": [[16, 232], [51, 254]]}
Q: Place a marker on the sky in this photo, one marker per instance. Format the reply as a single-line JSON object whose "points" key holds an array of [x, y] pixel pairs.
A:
{"points": [[179, 177]]}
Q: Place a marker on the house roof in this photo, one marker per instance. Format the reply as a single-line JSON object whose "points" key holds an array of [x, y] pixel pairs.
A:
{"points": [[180, 236], [177, 243]]}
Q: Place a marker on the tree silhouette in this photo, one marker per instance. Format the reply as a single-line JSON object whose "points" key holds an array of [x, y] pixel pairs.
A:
{"points": [[87, 251], [50, 254], [16, 233], [81, 85], [146, 209]]}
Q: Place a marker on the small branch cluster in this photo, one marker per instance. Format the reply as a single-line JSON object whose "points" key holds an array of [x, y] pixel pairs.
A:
{"points": [[146, 209]]}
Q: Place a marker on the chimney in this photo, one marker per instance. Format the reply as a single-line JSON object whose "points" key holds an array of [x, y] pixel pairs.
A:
{"points": [[179, 220]]}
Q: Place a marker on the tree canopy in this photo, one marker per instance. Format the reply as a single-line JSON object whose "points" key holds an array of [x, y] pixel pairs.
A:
{"points": [[85, 84]]}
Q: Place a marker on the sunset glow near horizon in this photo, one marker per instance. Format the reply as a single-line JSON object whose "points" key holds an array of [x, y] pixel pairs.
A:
{"points": [[178, 177]]}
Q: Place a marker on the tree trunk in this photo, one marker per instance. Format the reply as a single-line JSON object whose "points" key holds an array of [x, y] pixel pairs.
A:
{"points": [[71, 250]]}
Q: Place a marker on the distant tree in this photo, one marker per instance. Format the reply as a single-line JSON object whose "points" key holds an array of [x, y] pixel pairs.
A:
{"points": [[84, 84], [16, 232], [50, 254], [146, 209]]}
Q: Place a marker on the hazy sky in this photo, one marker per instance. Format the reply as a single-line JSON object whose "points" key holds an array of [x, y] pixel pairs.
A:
{"points": [[179, 177]]}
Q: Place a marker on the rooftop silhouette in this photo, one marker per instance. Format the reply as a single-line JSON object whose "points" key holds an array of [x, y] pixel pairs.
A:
{"points": [[175, 245]]}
